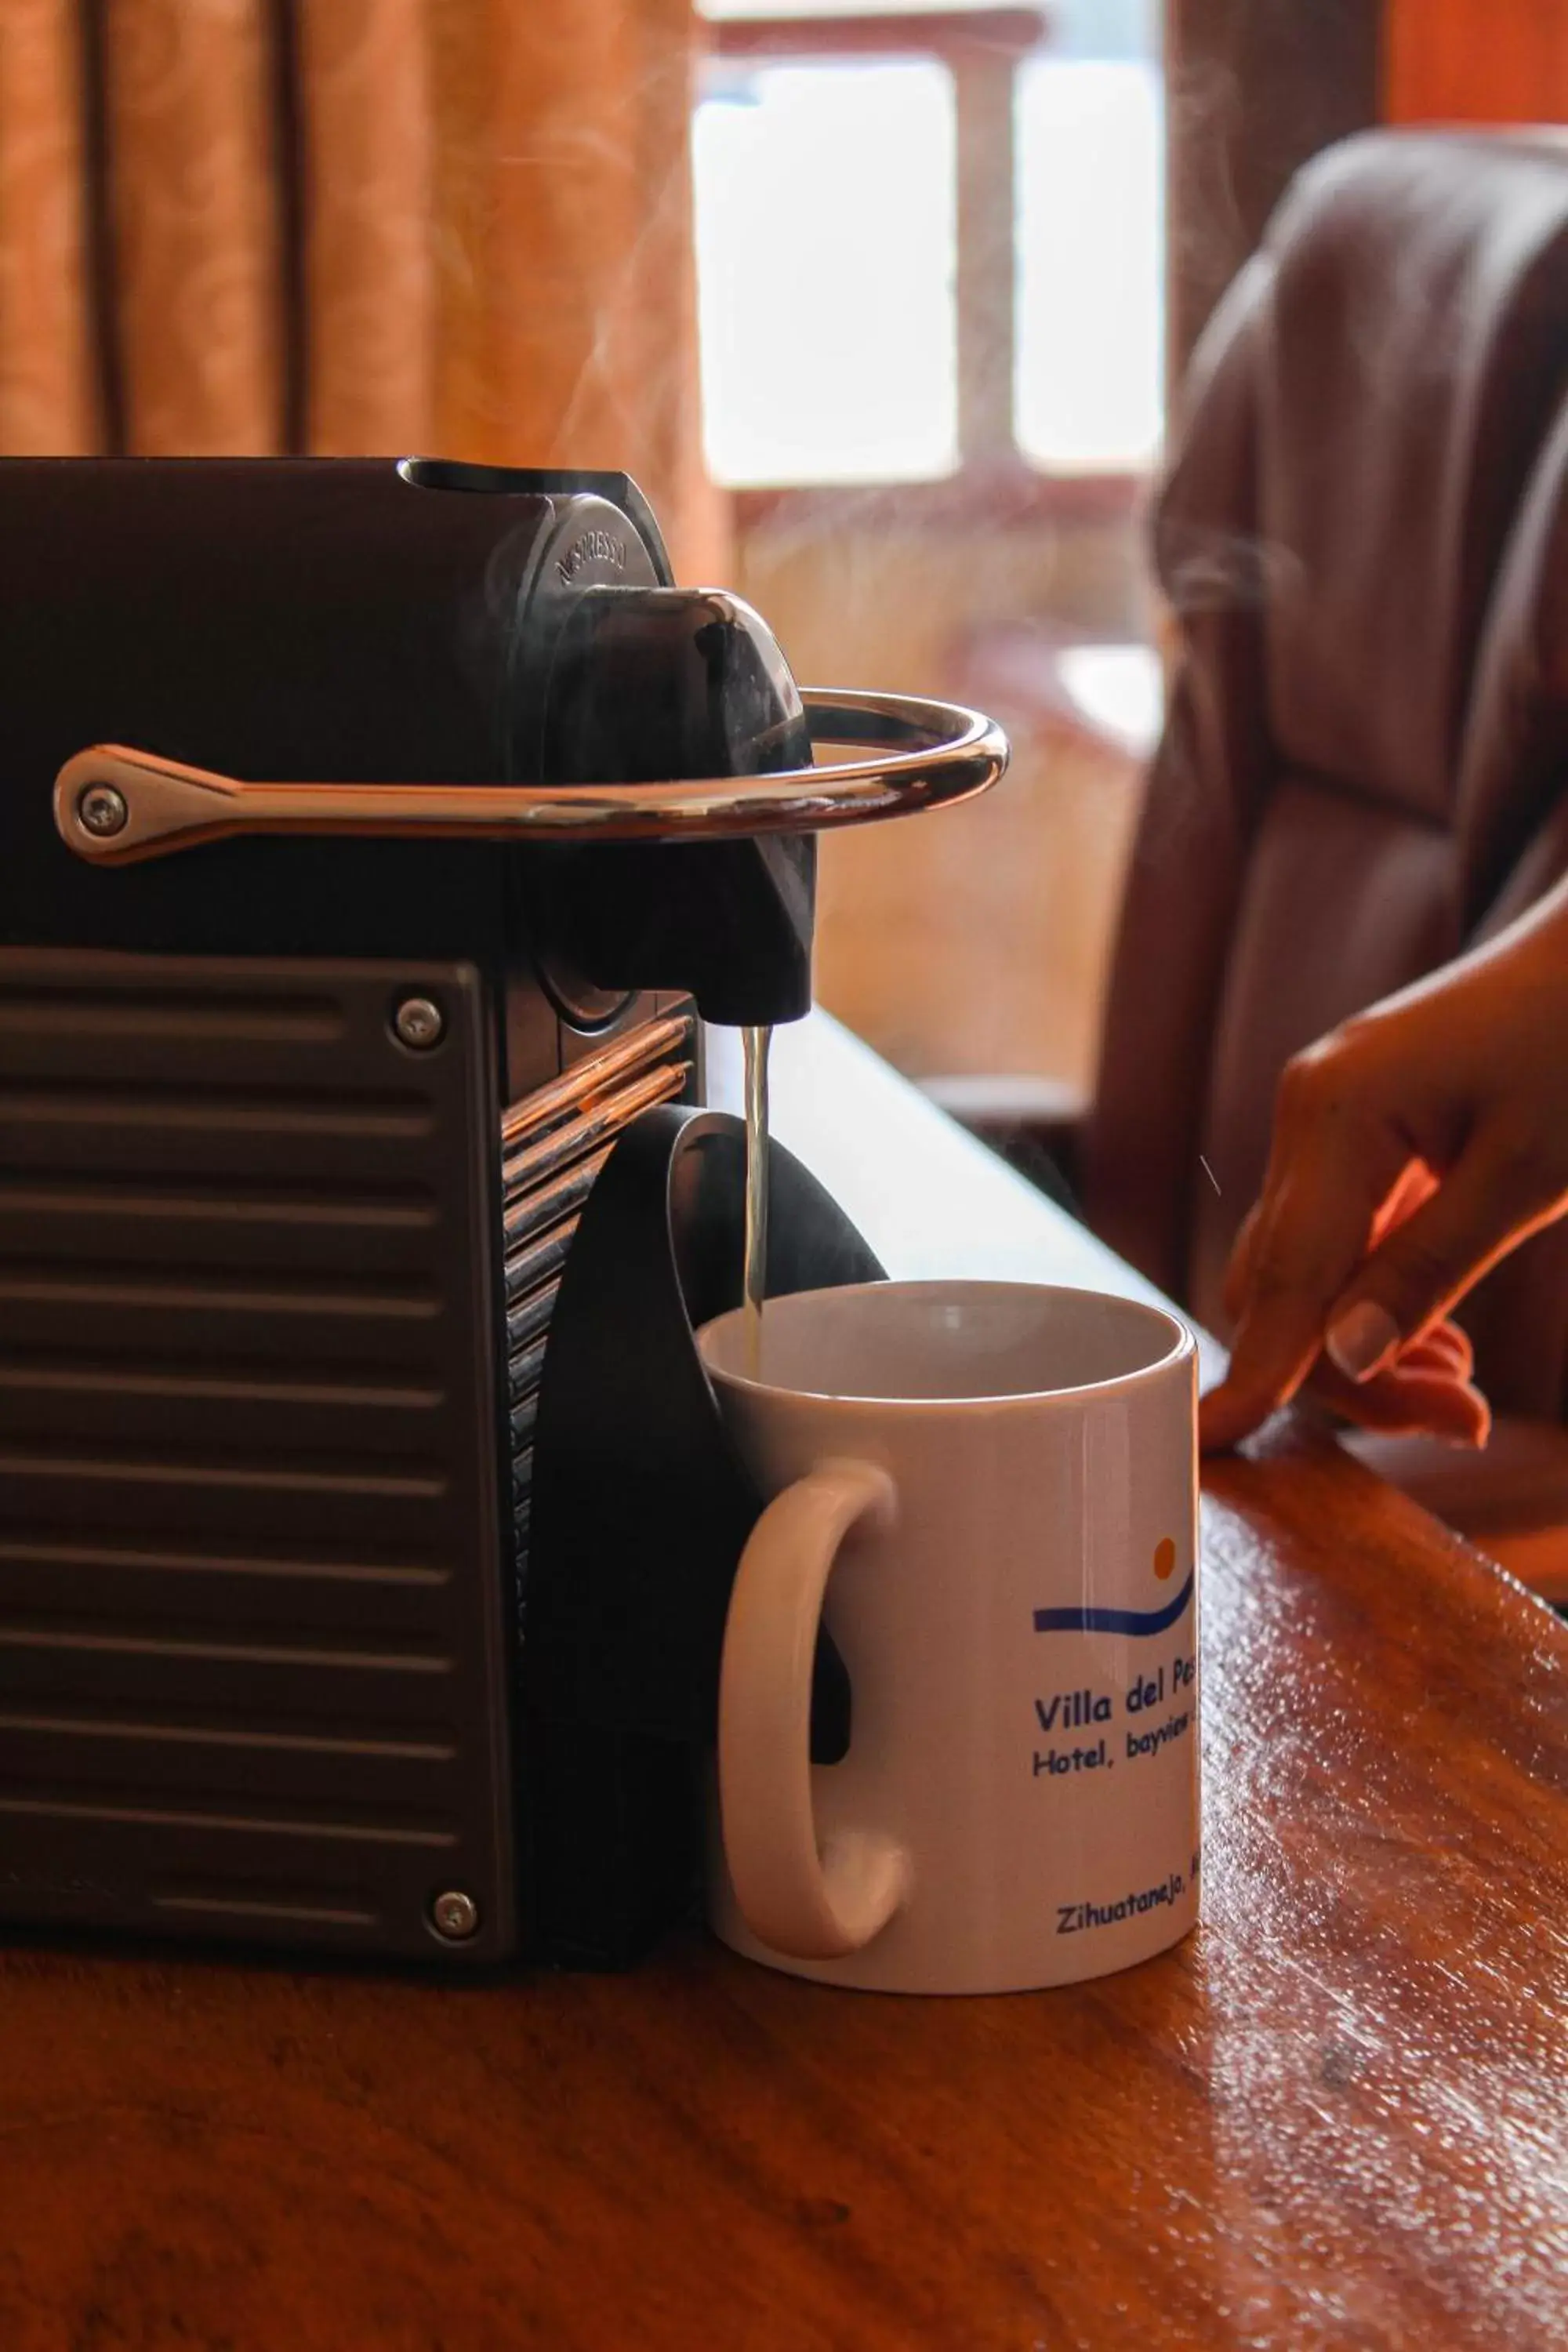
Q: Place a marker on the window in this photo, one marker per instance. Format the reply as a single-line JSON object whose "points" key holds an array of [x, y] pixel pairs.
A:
{"points": [[1088, 392], [930, 243], [826, 259]]}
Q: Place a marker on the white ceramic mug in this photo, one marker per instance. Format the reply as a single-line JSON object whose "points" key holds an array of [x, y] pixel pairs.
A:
{"points": [[994, 1486]]}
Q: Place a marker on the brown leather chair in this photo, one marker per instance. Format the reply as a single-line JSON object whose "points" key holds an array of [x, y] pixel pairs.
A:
{"points": [[1363, 544]]}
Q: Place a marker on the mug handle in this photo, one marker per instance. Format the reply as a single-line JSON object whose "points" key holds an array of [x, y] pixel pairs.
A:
{"points": [[813, 1906]]}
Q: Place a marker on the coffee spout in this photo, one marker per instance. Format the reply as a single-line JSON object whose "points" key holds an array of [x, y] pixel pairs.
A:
{"points": [[643, 686]]}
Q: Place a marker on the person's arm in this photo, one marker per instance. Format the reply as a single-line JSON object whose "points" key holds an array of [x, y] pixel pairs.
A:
{"points": [[1411, 1149]]}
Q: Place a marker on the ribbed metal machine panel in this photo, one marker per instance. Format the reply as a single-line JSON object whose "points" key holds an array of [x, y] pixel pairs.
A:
{"points": [[255, 1654]]}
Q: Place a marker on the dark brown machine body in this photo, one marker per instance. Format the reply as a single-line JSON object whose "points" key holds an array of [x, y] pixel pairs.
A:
{"points": [[294, 1138]]}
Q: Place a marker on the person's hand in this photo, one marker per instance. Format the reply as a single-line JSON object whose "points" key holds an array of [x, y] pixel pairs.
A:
{"points": [[1426, 1386], [1411, 1149]]}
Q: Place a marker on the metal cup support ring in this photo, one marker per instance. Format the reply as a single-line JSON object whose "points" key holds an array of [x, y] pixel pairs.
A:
{"points": [[114, 806]]}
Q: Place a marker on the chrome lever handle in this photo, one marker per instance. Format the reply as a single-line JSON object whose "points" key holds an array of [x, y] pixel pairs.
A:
{"points": [[114, 806]]}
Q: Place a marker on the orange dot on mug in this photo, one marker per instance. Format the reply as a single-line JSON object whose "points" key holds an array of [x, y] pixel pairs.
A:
{"points": [[1165, 1557]]}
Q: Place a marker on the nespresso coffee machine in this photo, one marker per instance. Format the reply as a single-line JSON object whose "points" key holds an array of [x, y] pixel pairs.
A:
{"points": [[373, 838]]}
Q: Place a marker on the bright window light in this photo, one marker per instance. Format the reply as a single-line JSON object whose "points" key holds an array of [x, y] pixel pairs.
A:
{"points": [[1120, 690], [826, 246], [741, 9], [1090, 233]]}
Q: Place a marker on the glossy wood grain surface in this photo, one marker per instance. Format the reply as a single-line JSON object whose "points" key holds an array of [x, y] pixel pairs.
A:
{"points": [[1336, 2117]]}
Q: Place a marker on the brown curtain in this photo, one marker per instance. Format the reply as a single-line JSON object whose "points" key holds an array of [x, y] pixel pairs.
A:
{"points": [[354, 226]]}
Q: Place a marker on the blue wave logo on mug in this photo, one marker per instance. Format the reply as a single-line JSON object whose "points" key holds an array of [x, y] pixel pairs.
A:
{"points": [[1126, 1620]]}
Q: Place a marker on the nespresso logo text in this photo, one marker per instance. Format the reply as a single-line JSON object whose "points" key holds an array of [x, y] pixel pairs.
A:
{"points": [[70, 1884], [595, 546]]}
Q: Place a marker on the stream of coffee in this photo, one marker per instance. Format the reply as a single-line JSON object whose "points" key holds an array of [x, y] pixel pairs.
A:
{"points": [[754, 1045]]}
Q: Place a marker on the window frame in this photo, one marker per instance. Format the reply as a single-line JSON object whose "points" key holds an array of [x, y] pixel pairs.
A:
{"points": [[982, 49]]}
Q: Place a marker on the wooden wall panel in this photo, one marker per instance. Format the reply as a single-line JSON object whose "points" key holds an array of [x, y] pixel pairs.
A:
{"points": [[1476, 62]]}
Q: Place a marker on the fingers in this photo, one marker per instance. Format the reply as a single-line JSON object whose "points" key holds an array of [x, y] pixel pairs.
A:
{"points": [[1449, 1348], [1415, 1185], [1414, 1397], [1238, 1270], [1329, 1179], [1427, 1389], [1227, 1414], [1486, 1204]]}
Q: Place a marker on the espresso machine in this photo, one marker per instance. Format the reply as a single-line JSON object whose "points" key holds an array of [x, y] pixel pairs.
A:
{"points": [[375, 838]]}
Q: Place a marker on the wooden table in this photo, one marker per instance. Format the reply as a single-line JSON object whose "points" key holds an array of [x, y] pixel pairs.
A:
{"points": [[1336, 2117]]}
